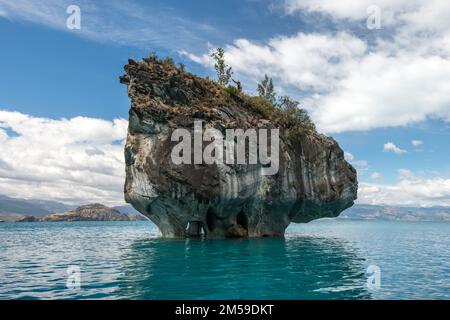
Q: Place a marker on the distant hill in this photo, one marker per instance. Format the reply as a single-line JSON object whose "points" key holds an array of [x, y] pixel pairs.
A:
{"points": [[13, 209], [393, 213], [90, 212]]}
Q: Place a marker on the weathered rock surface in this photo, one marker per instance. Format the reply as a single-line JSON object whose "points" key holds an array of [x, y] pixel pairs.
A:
{"points": [[237, 231], [313, 181]]}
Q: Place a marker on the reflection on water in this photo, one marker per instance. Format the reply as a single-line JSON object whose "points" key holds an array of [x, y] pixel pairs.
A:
{"points": [[300, 268]]}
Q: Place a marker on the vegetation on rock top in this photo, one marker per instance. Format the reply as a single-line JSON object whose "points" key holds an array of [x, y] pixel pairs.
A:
{"points": [[183, 89], [284, 110]]}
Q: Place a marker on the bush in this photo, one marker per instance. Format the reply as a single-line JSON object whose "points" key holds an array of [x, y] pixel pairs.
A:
{"points": [[296, 120], [168, 62], [233, 91], [261, 105]]}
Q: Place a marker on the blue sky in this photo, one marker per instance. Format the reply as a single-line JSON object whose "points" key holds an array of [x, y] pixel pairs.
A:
{"points": [[374, 91]]}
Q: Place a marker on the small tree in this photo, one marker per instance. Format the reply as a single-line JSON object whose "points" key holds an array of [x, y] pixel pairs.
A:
{"points": [[224, 71], [295, 119], [266, 89]]}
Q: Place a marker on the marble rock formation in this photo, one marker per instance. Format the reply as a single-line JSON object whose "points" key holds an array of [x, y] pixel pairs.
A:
{"points": [[222, 200]]}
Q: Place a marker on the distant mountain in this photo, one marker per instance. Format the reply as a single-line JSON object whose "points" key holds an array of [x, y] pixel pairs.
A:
{"points": [[393, 213], [13, 209], [90, 212], [33, 207], [53, 206]]}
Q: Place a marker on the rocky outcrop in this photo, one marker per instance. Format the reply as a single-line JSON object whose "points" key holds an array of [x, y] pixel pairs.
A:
{"points": [[220, 200]]}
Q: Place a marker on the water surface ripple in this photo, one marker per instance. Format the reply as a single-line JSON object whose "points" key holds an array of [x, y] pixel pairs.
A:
{"points": [[325, 259]]}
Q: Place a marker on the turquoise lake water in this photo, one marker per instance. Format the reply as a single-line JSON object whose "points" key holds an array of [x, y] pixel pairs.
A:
{"points": [[326, 259]]}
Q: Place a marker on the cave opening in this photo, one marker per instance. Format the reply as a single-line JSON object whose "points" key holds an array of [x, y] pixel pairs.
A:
{"points": [[211, 219], [242, 219], [195, 229]]}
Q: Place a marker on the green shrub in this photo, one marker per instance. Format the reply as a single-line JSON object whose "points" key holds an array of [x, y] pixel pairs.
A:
{"points": [[261, 105], [296, 120], [233, 91], [168, 62]]}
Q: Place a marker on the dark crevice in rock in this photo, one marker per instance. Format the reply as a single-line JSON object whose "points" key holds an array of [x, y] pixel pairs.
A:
{"points": [[211, 219], [242, 220]]}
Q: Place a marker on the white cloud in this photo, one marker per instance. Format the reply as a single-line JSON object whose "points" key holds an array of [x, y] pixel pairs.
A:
{"points": [[382, 91], [430, 14], [349, 156], [416, 143], [411, 190], [362, 166], [405, 174], [205, 59], [353, 10], [415, 26], [76, 160], [390, 147], [376, 176]]}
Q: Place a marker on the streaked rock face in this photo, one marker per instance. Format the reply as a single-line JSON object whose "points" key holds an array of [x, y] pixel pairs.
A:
{"points": [[313, 181]]}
